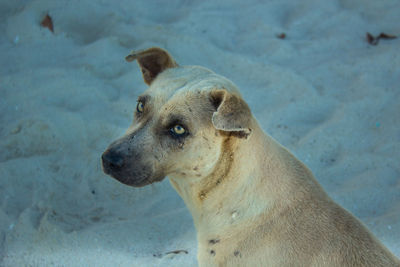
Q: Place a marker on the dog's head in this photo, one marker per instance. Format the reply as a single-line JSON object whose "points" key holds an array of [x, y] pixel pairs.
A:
{"points": [[180, 124]]}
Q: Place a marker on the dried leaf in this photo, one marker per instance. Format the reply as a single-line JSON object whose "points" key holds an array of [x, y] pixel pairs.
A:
{"points": [[375, 40], [47, 22], [371, 39], [281, 35]]}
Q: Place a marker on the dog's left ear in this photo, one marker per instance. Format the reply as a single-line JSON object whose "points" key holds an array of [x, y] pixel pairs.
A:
{"points": [[152, 62], [232, 113]]}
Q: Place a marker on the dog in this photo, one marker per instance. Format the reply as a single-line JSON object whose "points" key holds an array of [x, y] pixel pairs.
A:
{"points": [[253, 203]]}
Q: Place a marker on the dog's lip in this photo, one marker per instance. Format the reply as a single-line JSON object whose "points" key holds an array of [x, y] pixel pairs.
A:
{"points": [[132, 181]]}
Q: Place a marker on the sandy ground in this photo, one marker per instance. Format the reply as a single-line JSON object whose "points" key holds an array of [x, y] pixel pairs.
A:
{"points": [[322, 91]]}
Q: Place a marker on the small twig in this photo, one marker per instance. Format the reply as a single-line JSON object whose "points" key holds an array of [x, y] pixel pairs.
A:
{"points": [[387, 36], [177, 251]]}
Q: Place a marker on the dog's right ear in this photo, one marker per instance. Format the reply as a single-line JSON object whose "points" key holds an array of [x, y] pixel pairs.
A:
{"points": [[152, 62]]}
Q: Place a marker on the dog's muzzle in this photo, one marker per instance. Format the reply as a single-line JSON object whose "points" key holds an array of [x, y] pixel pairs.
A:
{"points": [[128, 169]]}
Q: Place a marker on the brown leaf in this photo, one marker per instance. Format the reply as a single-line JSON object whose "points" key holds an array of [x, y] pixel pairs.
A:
{"points": [[371, 39], [375, 40], [281, 35], [47, 22]]}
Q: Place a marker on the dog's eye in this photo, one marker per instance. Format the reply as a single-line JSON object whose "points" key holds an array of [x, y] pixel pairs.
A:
{"points": [[178, 130], [140, 107]]}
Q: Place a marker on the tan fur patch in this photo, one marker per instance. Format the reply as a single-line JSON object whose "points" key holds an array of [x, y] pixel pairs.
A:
{"points": [[221, 171]]}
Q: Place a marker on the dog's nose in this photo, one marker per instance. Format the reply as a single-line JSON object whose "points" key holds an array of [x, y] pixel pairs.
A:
{"points": [[112, 160]]}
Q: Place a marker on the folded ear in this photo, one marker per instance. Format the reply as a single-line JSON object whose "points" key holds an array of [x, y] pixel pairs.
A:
{"points": [[152, 62], [232, 113]]}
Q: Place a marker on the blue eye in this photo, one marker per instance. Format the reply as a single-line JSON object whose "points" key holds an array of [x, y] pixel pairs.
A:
{"points": [[140, 107], [178, 129]]}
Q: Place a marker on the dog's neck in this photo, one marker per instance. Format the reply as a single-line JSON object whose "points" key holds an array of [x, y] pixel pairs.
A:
{"points": [[227, 193], [254, 177]]}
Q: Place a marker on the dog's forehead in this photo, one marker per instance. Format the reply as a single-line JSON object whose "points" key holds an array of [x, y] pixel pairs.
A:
{"points": [[181, 80], [173, 80]]}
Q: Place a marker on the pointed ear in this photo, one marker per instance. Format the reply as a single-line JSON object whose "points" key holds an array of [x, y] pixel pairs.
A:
{"points": [[152, 62], [232, 113]]}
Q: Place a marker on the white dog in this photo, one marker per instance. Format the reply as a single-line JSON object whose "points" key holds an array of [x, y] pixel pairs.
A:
{"points": [[252, 201]]}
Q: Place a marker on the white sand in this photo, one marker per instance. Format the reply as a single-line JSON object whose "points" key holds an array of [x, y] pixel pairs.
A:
{"points": [[323, 92]]}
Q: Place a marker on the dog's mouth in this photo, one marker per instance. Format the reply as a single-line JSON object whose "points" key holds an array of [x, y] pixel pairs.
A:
{"points": [[131, 181], [135, 181]]}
